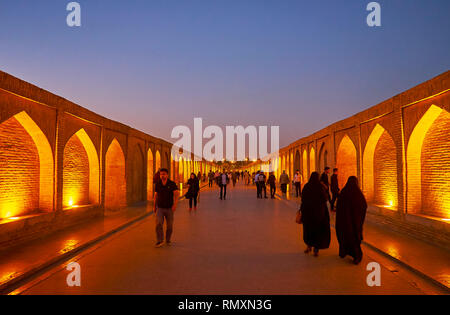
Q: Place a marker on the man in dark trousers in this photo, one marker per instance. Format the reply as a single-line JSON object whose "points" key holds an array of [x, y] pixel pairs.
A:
{"points": [[325, 182], [334, 188], [223, 182], [262, 184], [165, 205], [272, 184]]}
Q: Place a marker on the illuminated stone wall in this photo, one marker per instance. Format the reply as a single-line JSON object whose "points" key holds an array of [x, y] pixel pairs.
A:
{"points": [[399, 150], [435, 162], [58, 156], [19, 170], [75, 174]]}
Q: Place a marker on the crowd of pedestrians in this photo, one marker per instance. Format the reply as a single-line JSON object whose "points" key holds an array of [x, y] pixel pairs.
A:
{"points": [[349, 204]]}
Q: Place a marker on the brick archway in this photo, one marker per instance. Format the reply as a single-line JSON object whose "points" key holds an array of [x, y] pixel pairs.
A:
{"points": [[115, 181], [428, 158], [346, 160], [26, 168], [380, 154], [80, 171]]}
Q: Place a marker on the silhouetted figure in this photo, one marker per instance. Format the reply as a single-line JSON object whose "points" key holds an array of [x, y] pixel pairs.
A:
{"points": [[315, 216], [334, 187], [350, 215], [193, 190], [325, 182], [272, 183], [223, 182], [298, 183], [284, 181]]}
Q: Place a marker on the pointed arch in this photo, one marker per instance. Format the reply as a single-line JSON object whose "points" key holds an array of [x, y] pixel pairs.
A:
{"points": [[380, 154], [323, 157], [428, 159], [80, 171], [297, 161], [115, 181], [137, 175], [26, 167], [346, 160], [150, 175], [305, 167], [312, 160], [157, 161]]}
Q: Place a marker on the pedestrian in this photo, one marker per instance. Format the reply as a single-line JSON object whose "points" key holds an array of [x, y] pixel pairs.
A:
{"points": [[315, 216], [156, 177], [223, 180], [258, 186], [211, 179], [272, 183], [193, 191], [298, 183], [284, 181], [350, 215], [234, 178], [334, 187], [325, 182], [246, 178], [165, 206], [262, 184]]}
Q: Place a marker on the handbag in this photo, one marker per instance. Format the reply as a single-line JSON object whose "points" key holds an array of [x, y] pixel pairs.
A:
{"points": [[298, 218]]}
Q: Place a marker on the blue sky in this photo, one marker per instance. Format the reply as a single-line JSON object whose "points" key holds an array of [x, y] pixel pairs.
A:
{"points": [[156, 64]]}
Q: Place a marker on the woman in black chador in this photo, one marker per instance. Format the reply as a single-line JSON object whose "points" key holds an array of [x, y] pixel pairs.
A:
{"points": [[350, 214], [193, 190], [315, 216]]}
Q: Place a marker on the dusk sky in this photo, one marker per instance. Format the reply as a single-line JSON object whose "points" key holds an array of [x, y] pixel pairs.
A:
{"points": [[155, 64]]}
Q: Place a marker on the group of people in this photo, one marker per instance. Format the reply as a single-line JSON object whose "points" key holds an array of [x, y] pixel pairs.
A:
{"points": [[350, 207], [350, 211]]}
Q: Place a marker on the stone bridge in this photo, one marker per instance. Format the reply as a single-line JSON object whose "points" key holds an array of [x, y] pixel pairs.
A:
{"points": [[61, 163], [400, 151]]}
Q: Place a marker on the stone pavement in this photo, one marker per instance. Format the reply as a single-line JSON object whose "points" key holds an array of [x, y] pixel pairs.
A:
{"points": [[239, 246], [427, 260]]}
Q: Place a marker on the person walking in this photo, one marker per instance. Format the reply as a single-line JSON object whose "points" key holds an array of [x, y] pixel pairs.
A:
{"points": [[156, 177], [246, 178], [334, 187], [284, 181], [258, 185], [325, 182], [262, 184], [211, 179], [223, 180], [272, 183], [165, 205], [298, 183], [350, 215], [315, 216], [193, 190], [234, 178]]}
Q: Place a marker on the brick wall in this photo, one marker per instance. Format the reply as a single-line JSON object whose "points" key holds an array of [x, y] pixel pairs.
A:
{"points": [[19, 170], [75, 174], [385, 175], [115, 183], [435, 161], [346, 161]]}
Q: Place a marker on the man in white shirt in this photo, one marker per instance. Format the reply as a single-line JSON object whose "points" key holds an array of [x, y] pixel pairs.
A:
{"points": [[223, 180]]}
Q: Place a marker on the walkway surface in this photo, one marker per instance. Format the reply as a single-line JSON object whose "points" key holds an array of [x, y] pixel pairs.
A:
{"points": [[242, 245], [426, 259]]}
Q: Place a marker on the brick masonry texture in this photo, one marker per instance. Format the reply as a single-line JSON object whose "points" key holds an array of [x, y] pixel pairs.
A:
{"points": [[48, 147], [398, 116]]}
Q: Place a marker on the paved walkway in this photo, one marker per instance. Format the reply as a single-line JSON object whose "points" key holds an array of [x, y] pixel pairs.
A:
{"points": [[424, 258], [239, 246]]}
